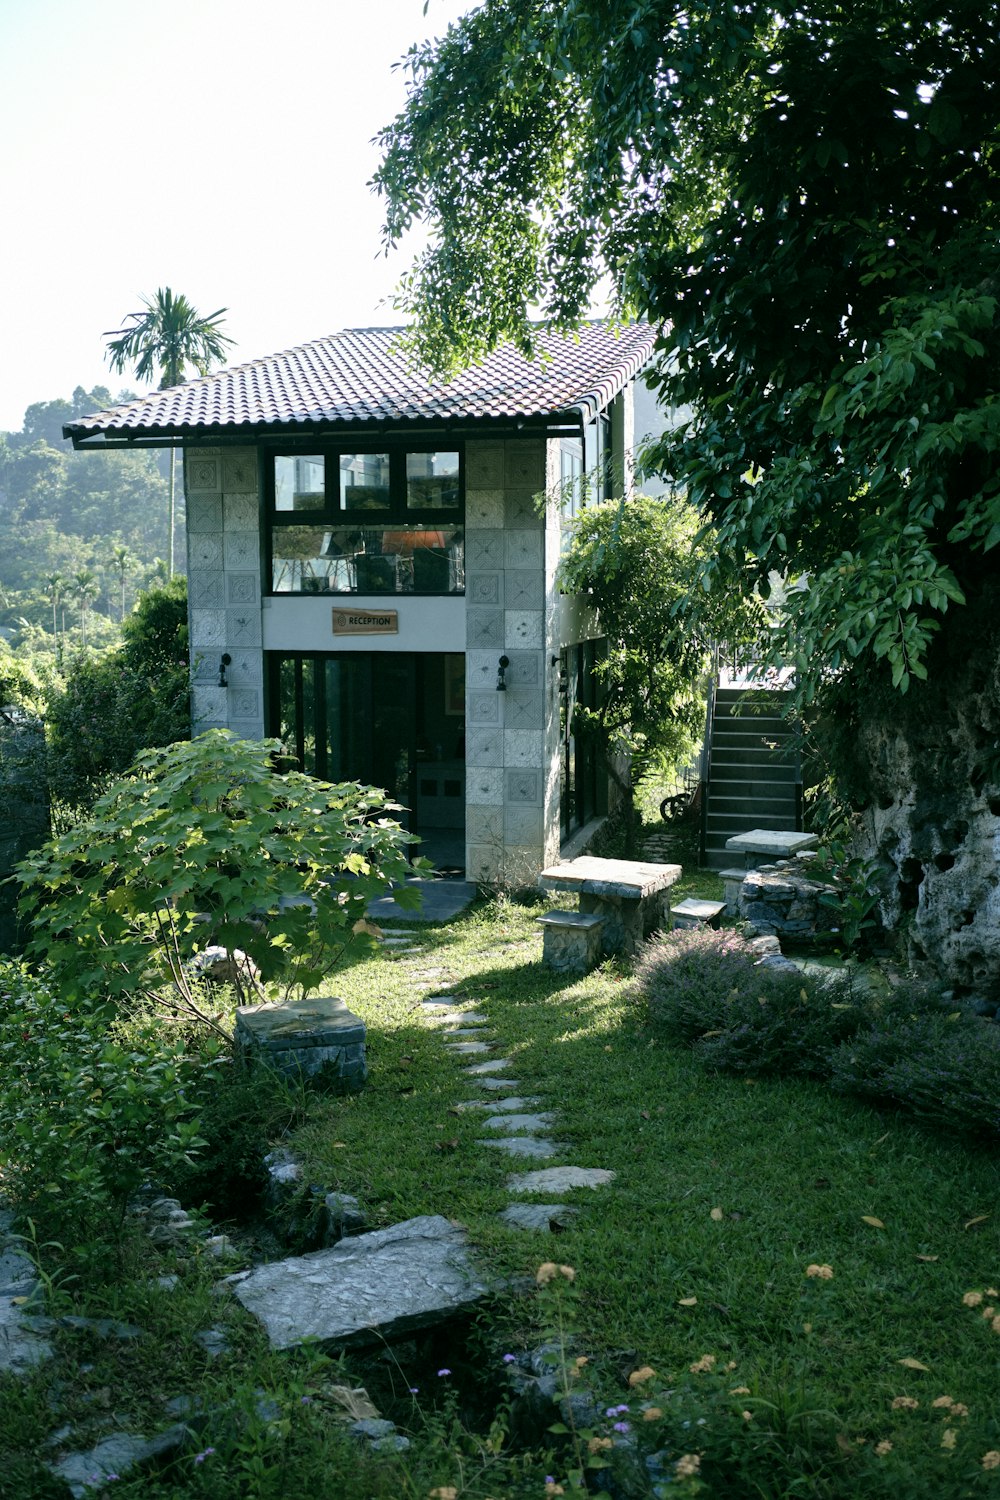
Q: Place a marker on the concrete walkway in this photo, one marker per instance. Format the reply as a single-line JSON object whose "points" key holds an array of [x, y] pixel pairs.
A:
{"points": [[441, 901]]}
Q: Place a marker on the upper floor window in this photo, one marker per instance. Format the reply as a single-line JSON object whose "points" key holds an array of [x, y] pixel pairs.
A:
{"points": [[347, 522]]}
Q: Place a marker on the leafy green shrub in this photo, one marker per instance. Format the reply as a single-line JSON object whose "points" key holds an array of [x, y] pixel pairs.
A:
{"points": [[688, 978], [89, 1110], [706, 989], [206, 844], [942, 1067]]}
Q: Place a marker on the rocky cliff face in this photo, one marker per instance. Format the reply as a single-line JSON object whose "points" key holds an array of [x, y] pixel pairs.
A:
{"points": [[926, 772]]}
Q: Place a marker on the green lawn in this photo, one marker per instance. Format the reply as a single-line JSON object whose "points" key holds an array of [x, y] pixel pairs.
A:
{"points": [[727, 1191]]}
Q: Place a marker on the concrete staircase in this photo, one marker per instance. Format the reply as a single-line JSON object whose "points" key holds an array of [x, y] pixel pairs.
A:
{"points": [[753, 771]]}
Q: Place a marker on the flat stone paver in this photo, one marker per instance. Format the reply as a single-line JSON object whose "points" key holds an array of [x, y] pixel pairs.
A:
{"points": [[441, 900], [560, 1179], [538, 1215], [514, 1104], [495, 1065], [495, 1083], [515, 1124], [525, 1145], [21, 1348], [366, 1289], [470, 1049], [463, 1032]]}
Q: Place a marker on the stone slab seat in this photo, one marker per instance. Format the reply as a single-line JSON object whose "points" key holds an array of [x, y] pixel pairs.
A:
{"points": [[317, 1038], [571, 941], [697, 913], [759, 845], [631, 895]]}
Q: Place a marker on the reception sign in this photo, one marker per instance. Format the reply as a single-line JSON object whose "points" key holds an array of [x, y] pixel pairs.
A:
{"points": [[365, 622]]}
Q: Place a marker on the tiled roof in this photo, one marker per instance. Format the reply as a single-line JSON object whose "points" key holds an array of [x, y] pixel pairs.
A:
{"points": [[362, 376]]}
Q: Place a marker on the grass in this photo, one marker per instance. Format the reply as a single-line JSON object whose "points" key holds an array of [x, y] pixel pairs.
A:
{"points": [[726, 1191]]}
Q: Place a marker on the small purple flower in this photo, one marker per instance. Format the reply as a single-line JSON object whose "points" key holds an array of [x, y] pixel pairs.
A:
{"points": [[200, 1458], [508, 1359], [616, 1411], [305, 1400], [414, 1389], [623, 1426], [445, 1371]]}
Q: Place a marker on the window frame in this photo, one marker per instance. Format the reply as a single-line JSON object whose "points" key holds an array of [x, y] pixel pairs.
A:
{"points": [[397, 515]]}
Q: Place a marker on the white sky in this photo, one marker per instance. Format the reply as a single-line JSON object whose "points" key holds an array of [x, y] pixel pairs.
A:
{"points": [[219, 147]]}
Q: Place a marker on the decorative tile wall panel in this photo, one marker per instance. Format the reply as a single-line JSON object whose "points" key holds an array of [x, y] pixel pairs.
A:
{"points": [[484, 862], [248, 729], [241, 551], [246, 668], [484, 551], [524, 786], [205, 551], [208, 629], [481, 671], [523, 629], [522, 747], [525, 709], [205, 590], [201, 473], [242, 627], [484, 628], [241, 588], [525, 588], [484, 588], [242, 513], [525, 668], [483, 786], [484, 825], [239, 472], [523, 549], [204, 513], [484, 747], [484, 465], [524, 464], [523, 825], [244, 703], [483, 708], [484, 508], [521, 509]]}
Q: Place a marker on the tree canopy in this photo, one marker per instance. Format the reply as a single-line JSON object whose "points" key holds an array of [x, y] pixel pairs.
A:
{"points": [[806, 203]]}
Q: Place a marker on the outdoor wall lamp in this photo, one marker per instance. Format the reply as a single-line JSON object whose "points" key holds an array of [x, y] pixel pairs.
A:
{"points": [[223, 664], [502, 666]]}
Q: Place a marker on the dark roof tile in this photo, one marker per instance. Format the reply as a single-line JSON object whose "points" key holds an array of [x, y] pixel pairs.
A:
{"points": [[362, 376]]}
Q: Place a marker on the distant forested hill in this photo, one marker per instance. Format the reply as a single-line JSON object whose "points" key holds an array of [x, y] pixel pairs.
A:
{"points": [[81, 532]]}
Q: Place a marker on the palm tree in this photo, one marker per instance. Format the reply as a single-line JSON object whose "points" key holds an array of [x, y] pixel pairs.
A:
{"points": [[120, 558], [167, 337], [55, 583], [85, 588]]}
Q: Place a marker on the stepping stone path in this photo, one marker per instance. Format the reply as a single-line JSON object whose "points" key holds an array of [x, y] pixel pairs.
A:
{"points": [[517, 1130]]}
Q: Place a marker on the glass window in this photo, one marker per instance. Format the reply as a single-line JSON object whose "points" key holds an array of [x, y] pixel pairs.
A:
{"points": [[364, 481], [299, 482], [432, 481]]}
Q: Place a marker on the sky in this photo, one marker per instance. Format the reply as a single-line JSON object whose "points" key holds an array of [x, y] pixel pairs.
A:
{"points": [[218, 147]]}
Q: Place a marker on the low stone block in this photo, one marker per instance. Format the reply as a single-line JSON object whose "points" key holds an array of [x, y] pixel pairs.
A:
{"points": [[317, 1039], [375, 1287], [696, 913], [571, 941]]}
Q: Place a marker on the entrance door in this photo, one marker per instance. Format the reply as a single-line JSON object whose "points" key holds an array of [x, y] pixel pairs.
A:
{"points": [[389, 719]]}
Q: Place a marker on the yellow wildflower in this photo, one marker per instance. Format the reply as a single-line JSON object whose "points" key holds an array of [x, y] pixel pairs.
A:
{"points": [[716, 1214], [972, 1299], [991, 1460], [551, 1488], [740, 1390], [545, 1272], [444, 1492], [568, 1272], [904, 1403], [821, 1273], [639, 1377], [991, 1291], [599, 1444], [703, 1365], [747, 1416], [652, 1413], [959, 1410], [989, 1312], [995, 1324], [883, 1447], [687, 1465], [949, 1437], [943, 1401]]}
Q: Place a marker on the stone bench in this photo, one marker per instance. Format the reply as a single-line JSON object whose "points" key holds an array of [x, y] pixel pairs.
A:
{"points": [[571, 941], [633, 897], [762, 846], [696, 913], [317, 1039]]}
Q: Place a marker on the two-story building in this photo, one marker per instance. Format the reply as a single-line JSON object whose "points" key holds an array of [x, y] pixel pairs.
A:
{"points": [[372, 559]]}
